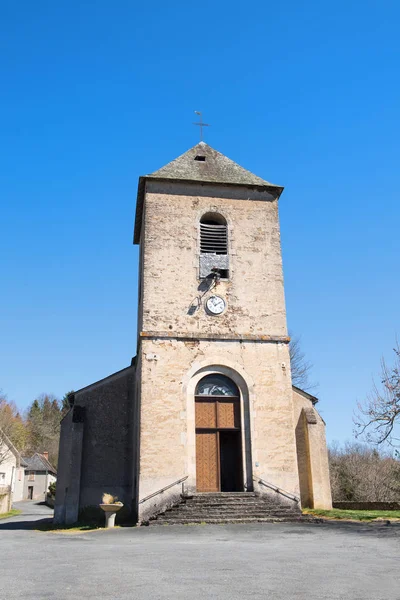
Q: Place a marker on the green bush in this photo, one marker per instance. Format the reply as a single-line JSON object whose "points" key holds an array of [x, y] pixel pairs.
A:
{"points": [[52, 489]]}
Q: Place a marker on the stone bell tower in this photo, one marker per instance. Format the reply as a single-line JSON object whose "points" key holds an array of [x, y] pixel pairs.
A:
{"points": [[213, 370], [207, 405]]}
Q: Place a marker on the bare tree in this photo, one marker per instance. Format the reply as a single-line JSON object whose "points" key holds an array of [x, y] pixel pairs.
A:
{"points": [[377, 417], [364, 474], [300, 366], [7, 416]]}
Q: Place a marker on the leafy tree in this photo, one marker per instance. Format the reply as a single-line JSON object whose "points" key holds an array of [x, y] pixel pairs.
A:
{"points": [[43, 426], [65, 403]]}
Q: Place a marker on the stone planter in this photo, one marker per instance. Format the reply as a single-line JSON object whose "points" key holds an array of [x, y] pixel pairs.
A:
{"points": [[110, 510]]}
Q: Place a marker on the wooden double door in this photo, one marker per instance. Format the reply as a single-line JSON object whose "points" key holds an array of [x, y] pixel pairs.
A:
{"points": [[218, 444]]}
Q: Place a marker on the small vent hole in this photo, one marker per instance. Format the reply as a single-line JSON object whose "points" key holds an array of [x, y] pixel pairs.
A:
{"points": [[200, 158]]}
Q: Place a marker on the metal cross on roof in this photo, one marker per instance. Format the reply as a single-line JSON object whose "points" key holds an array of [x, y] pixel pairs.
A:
{"points": [[201, 124]]}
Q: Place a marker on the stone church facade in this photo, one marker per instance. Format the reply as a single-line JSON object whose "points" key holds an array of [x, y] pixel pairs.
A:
{"points": [[207, 405]]}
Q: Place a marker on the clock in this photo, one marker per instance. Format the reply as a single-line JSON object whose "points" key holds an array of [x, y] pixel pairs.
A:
{"points": [[215, 305]]}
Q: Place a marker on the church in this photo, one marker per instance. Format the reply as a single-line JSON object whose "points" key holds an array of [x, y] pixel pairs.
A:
{"points": [[207, 405]]}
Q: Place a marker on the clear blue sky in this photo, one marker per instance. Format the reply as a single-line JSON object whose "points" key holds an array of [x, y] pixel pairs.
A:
{"points": [[304, 94]]}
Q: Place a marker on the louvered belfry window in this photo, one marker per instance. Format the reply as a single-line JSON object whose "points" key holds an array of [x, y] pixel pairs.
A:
{"points": [[214, 256], [213, 237]]}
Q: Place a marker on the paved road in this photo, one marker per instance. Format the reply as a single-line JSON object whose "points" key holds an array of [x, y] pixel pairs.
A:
{"points": [[218, 562], [32, 512]]}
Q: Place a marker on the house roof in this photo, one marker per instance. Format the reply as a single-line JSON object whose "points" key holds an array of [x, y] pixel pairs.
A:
{"points": [[38, 462], [201, 164]]}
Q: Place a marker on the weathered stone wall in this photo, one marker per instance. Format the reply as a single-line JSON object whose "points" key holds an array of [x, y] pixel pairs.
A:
{"points": [[172, 303], [5, 498], [312, 454], [96, 453], [64, 468], [107, 440], [170, 371], [173, 295]]}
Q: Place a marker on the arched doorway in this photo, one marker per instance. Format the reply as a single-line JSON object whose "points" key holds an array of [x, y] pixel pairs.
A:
{"points": [[218, 435]]}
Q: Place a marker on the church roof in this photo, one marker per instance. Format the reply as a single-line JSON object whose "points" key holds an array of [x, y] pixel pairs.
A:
{"points": [[202, 163]]}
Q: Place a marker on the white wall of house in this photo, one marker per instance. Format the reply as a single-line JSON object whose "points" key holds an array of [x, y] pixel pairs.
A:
{"points": [[18, 492], [8, 467], [36, 484]]}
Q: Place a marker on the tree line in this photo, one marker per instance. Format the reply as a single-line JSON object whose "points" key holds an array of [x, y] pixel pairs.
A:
{"points": [[363, 473], [35, 430]]}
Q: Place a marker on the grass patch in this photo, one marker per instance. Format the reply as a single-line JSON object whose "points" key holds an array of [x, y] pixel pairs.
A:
{"points": [[10, 513], [354, 515], [74, 528]]}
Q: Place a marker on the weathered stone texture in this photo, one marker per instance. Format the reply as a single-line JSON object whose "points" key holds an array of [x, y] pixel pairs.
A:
{"points": [[171, 287], [107, 442], [170, 371], [96, 454], [312, 454]]}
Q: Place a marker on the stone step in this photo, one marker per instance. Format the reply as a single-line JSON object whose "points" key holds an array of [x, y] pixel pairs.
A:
{"points": [[218, 507], [194, 521], [239, 504], [224, 495], [238, 501], [225, 517], [189, 510], [229, 507], [221, 498]]}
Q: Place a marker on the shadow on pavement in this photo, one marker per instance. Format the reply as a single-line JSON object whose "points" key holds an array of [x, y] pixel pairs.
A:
{"points": [[14, 524]]}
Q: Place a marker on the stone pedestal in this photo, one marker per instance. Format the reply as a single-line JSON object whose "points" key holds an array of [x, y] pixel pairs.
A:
{"points": [[110, 511]]}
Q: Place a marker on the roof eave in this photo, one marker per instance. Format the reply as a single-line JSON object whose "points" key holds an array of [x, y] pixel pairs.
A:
{"points": [[310, 397], [270, 187]]}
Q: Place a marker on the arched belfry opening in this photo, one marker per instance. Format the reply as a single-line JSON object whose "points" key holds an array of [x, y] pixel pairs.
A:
{"points": [[218, 435], [214, 255]]}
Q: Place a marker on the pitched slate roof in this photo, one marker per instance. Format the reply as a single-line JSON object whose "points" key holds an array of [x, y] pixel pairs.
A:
{"points": [[204, 164], [38, 462]]}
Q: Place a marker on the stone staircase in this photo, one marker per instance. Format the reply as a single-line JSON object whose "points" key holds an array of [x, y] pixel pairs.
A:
{"points": [[229, 507]]}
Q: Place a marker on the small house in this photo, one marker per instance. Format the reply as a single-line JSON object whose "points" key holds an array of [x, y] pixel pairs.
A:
{"points": [[39, 474]]}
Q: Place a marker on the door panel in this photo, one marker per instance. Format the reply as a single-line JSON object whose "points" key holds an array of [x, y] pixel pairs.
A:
{"points": [[206, 415], [228, 414], [207, 462]]}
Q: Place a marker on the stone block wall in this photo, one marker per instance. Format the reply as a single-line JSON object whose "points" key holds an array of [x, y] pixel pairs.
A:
{"points": [[172, 291], [312, 454], [169, 373], [96, 446], [5, 498]]}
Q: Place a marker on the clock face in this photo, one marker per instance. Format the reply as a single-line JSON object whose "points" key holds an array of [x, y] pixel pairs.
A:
{"points": [[215, 305]]}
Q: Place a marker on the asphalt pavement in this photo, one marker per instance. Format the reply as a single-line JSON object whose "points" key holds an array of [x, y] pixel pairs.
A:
{"points": [[329, 561]]}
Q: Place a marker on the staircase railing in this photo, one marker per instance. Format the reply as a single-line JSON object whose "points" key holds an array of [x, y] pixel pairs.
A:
{"points": [[167, 487], [277, 489]]}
